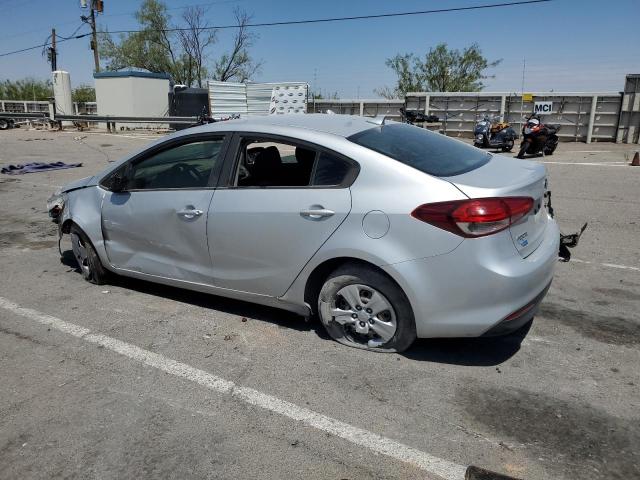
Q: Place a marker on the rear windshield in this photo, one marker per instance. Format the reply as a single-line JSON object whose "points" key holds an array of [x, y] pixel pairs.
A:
{"points": [[429, 152]]}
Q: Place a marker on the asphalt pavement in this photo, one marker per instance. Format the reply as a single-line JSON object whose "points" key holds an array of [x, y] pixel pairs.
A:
{"points": [[136, 380]]}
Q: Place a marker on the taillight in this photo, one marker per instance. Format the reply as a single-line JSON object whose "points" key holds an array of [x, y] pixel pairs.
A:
{"points": [[475, 217]]}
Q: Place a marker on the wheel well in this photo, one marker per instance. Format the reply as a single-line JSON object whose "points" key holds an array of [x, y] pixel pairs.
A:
{"points": [[322, 271], [66, 226]]}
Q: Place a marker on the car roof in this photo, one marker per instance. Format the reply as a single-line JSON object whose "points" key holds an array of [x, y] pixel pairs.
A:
{"points": [[341, 125]]}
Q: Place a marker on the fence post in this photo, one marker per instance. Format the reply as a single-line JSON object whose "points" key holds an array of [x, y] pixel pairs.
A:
{"points": [[2, 104], [592, 117], [361, 109], [503, 101], [26, 109], [427, 100]]}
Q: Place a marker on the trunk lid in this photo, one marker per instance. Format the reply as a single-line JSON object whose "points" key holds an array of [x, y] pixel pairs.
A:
{"points": [[508, 177]]}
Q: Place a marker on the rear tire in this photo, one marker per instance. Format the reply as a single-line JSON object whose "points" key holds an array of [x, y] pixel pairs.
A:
{"points": [[4, 124], [523, 150], [363, 308], [508, 146], [85, 254], [548, 151]]}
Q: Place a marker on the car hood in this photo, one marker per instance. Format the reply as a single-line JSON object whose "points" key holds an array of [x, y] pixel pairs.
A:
{"points": [[75, 185]]}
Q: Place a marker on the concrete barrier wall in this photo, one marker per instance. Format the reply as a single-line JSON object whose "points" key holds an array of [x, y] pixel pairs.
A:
{"points": [[583, 116]]}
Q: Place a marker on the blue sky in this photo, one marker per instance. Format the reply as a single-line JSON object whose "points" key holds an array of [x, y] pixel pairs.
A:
{"points": [[569, 45]]}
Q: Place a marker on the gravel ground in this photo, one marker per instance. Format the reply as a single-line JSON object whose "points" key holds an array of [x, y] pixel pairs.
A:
{"points": [[561, 403]]}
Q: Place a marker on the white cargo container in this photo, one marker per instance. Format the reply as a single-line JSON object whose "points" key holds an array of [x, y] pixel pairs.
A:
{"points": [[133, 93]]}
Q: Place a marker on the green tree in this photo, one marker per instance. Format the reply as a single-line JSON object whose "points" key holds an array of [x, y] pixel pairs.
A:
{"points": [[442, 70], [184, 54], [83, 93], [26, 89]]}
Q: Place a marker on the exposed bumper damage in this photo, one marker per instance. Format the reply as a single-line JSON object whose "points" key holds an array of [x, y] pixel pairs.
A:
{"points": [[566, 241]]}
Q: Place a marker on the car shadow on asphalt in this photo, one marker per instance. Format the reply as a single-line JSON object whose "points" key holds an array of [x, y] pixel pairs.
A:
{"points": [[279, 317], [480, 352], [488, 351]]}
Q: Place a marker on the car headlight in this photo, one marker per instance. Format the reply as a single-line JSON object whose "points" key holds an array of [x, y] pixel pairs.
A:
{"points": [[55, 204]]}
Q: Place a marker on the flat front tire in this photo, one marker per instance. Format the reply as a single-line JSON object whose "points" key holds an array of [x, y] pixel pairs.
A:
{"points": [[363, 308], [85, 254]]}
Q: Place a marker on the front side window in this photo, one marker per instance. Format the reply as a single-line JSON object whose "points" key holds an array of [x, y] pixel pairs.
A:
{"points": [[184, 166], [267, 163], [429, 152]]}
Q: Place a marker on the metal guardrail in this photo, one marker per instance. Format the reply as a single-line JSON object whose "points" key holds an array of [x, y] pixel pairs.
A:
{"points": [[100, 118], [114, 119]]}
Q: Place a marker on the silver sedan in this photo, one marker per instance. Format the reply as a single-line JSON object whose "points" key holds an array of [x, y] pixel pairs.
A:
{"points": [[385, 231]]}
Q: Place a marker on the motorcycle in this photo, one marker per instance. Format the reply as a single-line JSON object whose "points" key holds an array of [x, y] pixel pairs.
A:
{"points": [[538, 138], [413, 116], [494, 134]]}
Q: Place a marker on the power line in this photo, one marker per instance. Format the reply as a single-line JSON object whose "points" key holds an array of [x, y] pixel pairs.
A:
{"points": [[47, 43], [316, 20], [342, 19], [74, 32]]}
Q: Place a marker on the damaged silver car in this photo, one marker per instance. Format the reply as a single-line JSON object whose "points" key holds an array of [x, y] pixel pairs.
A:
{"points": [[384, 230]]}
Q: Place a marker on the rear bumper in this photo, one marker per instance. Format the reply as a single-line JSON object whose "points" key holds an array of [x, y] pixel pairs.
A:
{"points": [[471, 290], [517, 319]]}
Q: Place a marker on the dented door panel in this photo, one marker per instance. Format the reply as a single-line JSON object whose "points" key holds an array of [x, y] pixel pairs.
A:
{"points": [[153, 232]]}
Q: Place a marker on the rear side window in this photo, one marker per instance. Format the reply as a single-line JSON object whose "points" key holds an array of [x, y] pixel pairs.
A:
{"points": [[429, 152], [330, 170]]}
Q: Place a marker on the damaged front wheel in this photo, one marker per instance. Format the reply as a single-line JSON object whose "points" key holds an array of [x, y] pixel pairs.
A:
{"points": [[88, 261]]}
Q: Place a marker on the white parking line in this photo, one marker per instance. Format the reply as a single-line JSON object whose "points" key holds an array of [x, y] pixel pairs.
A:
{"points": [[358, 436], [608, 265], [590, 164]]}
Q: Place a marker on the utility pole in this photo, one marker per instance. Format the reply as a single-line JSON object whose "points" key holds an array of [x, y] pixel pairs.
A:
{"points": [[96, 6], [94, 40], [524, 67], [52, 51]]}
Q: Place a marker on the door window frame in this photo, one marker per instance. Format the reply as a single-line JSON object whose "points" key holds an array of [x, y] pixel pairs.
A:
{"points": [[231, 164], [172, 143]]}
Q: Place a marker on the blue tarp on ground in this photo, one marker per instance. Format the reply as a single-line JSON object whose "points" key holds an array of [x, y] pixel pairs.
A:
{"points": [[37, 167]]}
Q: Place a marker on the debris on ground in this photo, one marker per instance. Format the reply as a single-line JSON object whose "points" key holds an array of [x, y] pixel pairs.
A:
{"points": [[20, 169]]}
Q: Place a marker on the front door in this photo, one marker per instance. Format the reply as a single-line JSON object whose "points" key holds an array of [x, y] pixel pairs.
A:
{"points": [[282, 202], [158, 224]]}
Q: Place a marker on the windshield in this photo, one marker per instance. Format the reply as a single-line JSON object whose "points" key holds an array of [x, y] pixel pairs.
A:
{"points": [[429, 152]]}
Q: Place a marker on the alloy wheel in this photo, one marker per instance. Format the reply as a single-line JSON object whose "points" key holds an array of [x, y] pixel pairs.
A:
{"points": [[365, 315]]}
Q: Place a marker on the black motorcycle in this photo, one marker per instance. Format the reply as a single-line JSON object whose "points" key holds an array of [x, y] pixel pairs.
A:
{"points": [[538, 138], [499, 135], [414, 116]]}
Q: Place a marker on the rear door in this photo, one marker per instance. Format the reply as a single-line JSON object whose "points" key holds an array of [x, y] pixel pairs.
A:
{"points": [[281, 201], [158, 224]]}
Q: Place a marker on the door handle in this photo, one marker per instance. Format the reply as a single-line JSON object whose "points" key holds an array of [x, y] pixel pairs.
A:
{"points": [[317, 213], [190, 213]]}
